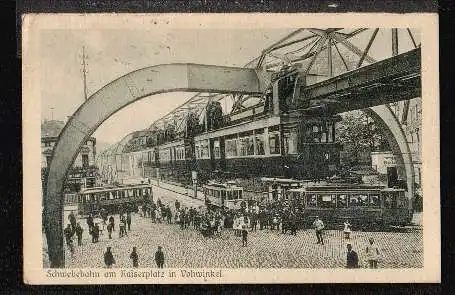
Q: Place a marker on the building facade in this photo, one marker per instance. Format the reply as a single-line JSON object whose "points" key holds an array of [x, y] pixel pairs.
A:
{"points": [[83, 173]]}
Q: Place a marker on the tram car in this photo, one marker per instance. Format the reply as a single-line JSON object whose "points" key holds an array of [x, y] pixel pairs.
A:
{"points": [[113, 199], [365, 206], [224, 195]]}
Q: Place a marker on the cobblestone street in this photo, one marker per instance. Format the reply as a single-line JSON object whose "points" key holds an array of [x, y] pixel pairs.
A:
{"points": [[266, 249]]}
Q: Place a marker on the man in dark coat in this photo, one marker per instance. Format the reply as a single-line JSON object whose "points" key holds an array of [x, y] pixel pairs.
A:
{"points": [[128, 220], [90, 222], [134, 257], [69, 238], [72, 220], [112, 221], [352, 260], [79, 231], [109, 258], [159, 257]]}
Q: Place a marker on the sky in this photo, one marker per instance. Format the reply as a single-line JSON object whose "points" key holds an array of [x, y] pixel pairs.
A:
{"points": [[113, 53]]}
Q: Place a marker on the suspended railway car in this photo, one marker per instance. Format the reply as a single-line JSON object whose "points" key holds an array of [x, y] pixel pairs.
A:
{"points": [[365, 206], [113, 199]]}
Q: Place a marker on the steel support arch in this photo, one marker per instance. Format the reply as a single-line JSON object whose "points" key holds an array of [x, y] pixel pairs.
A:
{"points": [[112, 98], [390, 125]]}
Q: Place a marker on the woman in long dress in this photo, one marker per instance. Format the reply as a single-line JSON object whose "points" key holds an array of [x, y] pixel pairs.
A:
{"points": [[347, 230]]}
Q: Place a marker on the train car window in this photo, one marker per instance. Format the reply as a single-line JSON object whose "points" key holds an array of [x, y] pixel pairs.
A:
{"points": [[260, 144], [358, 200], [231, 147], [374, 200], [326, 201], [311, 200], [342, 201], [274, 143]]}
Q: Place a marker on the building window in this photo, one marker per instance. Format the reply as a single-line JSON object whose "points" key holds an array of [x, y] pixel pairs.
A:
{"points": [[274, 143], [85, 162]]}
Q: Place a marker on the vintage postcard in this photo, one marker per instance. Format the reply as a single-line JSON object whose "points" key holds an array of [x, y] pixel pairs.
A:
{"points": [[230, 148]]}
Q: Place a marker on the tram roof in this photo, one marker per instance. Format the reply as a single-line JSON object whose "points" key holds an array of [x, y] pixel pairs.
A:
{"points": [[111, 188], [281, 180], [223, 185], [344, 187]]}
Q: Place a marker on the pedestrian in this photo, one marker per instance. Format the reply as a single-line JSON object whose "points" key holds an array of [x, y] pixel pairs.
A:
{"points": [[90, 222], [72, 220], [96, 233], [109, 258], [347, 229], [110, 226], [319, 226], [128, 220], [112, 221], [159, 257], [372, 254], [352, 259], [69, 238], [244, 236], [122, 227], [79, 232], [134, 257], [169, 215]]}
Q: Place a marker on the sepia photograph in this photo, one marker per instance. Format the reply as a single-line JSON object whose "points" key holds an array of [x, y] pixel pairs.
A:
{"points": [[178, 148]]}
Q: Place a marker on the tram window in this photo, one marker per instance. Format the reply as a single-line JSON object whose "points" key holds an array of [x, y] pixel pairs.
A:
{"points": [[223, 194], [374, 201], [326, 201], [140, 192], [134, 192], [240, 194], [311, 200], [400, 200], [274, 143], [358, 200], [390, 201], [229, 195], [342, 201]]}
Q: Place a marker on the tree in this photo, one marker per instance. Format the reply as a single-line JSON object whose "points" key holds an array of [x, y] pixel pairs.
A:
{"points": [[357, 132]]}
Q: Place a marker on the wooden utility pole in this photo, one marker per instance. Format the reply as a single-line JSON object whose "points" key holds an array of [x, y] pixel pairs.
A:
{"points": [[84, 72]]}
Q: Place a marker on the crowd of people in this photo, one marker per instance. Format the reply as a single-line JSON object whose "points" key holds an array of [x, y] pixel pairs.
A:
{"points": [[210, 221]]}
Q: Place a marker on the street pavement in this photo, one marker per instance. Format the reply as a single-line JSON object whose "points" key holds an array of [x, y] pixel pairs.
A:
{"points": [[266, 248]]}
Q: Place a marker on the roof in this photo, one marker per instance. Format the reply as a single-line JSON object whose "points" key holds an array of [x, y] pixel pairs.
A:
{"points": [[51, 128]]}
